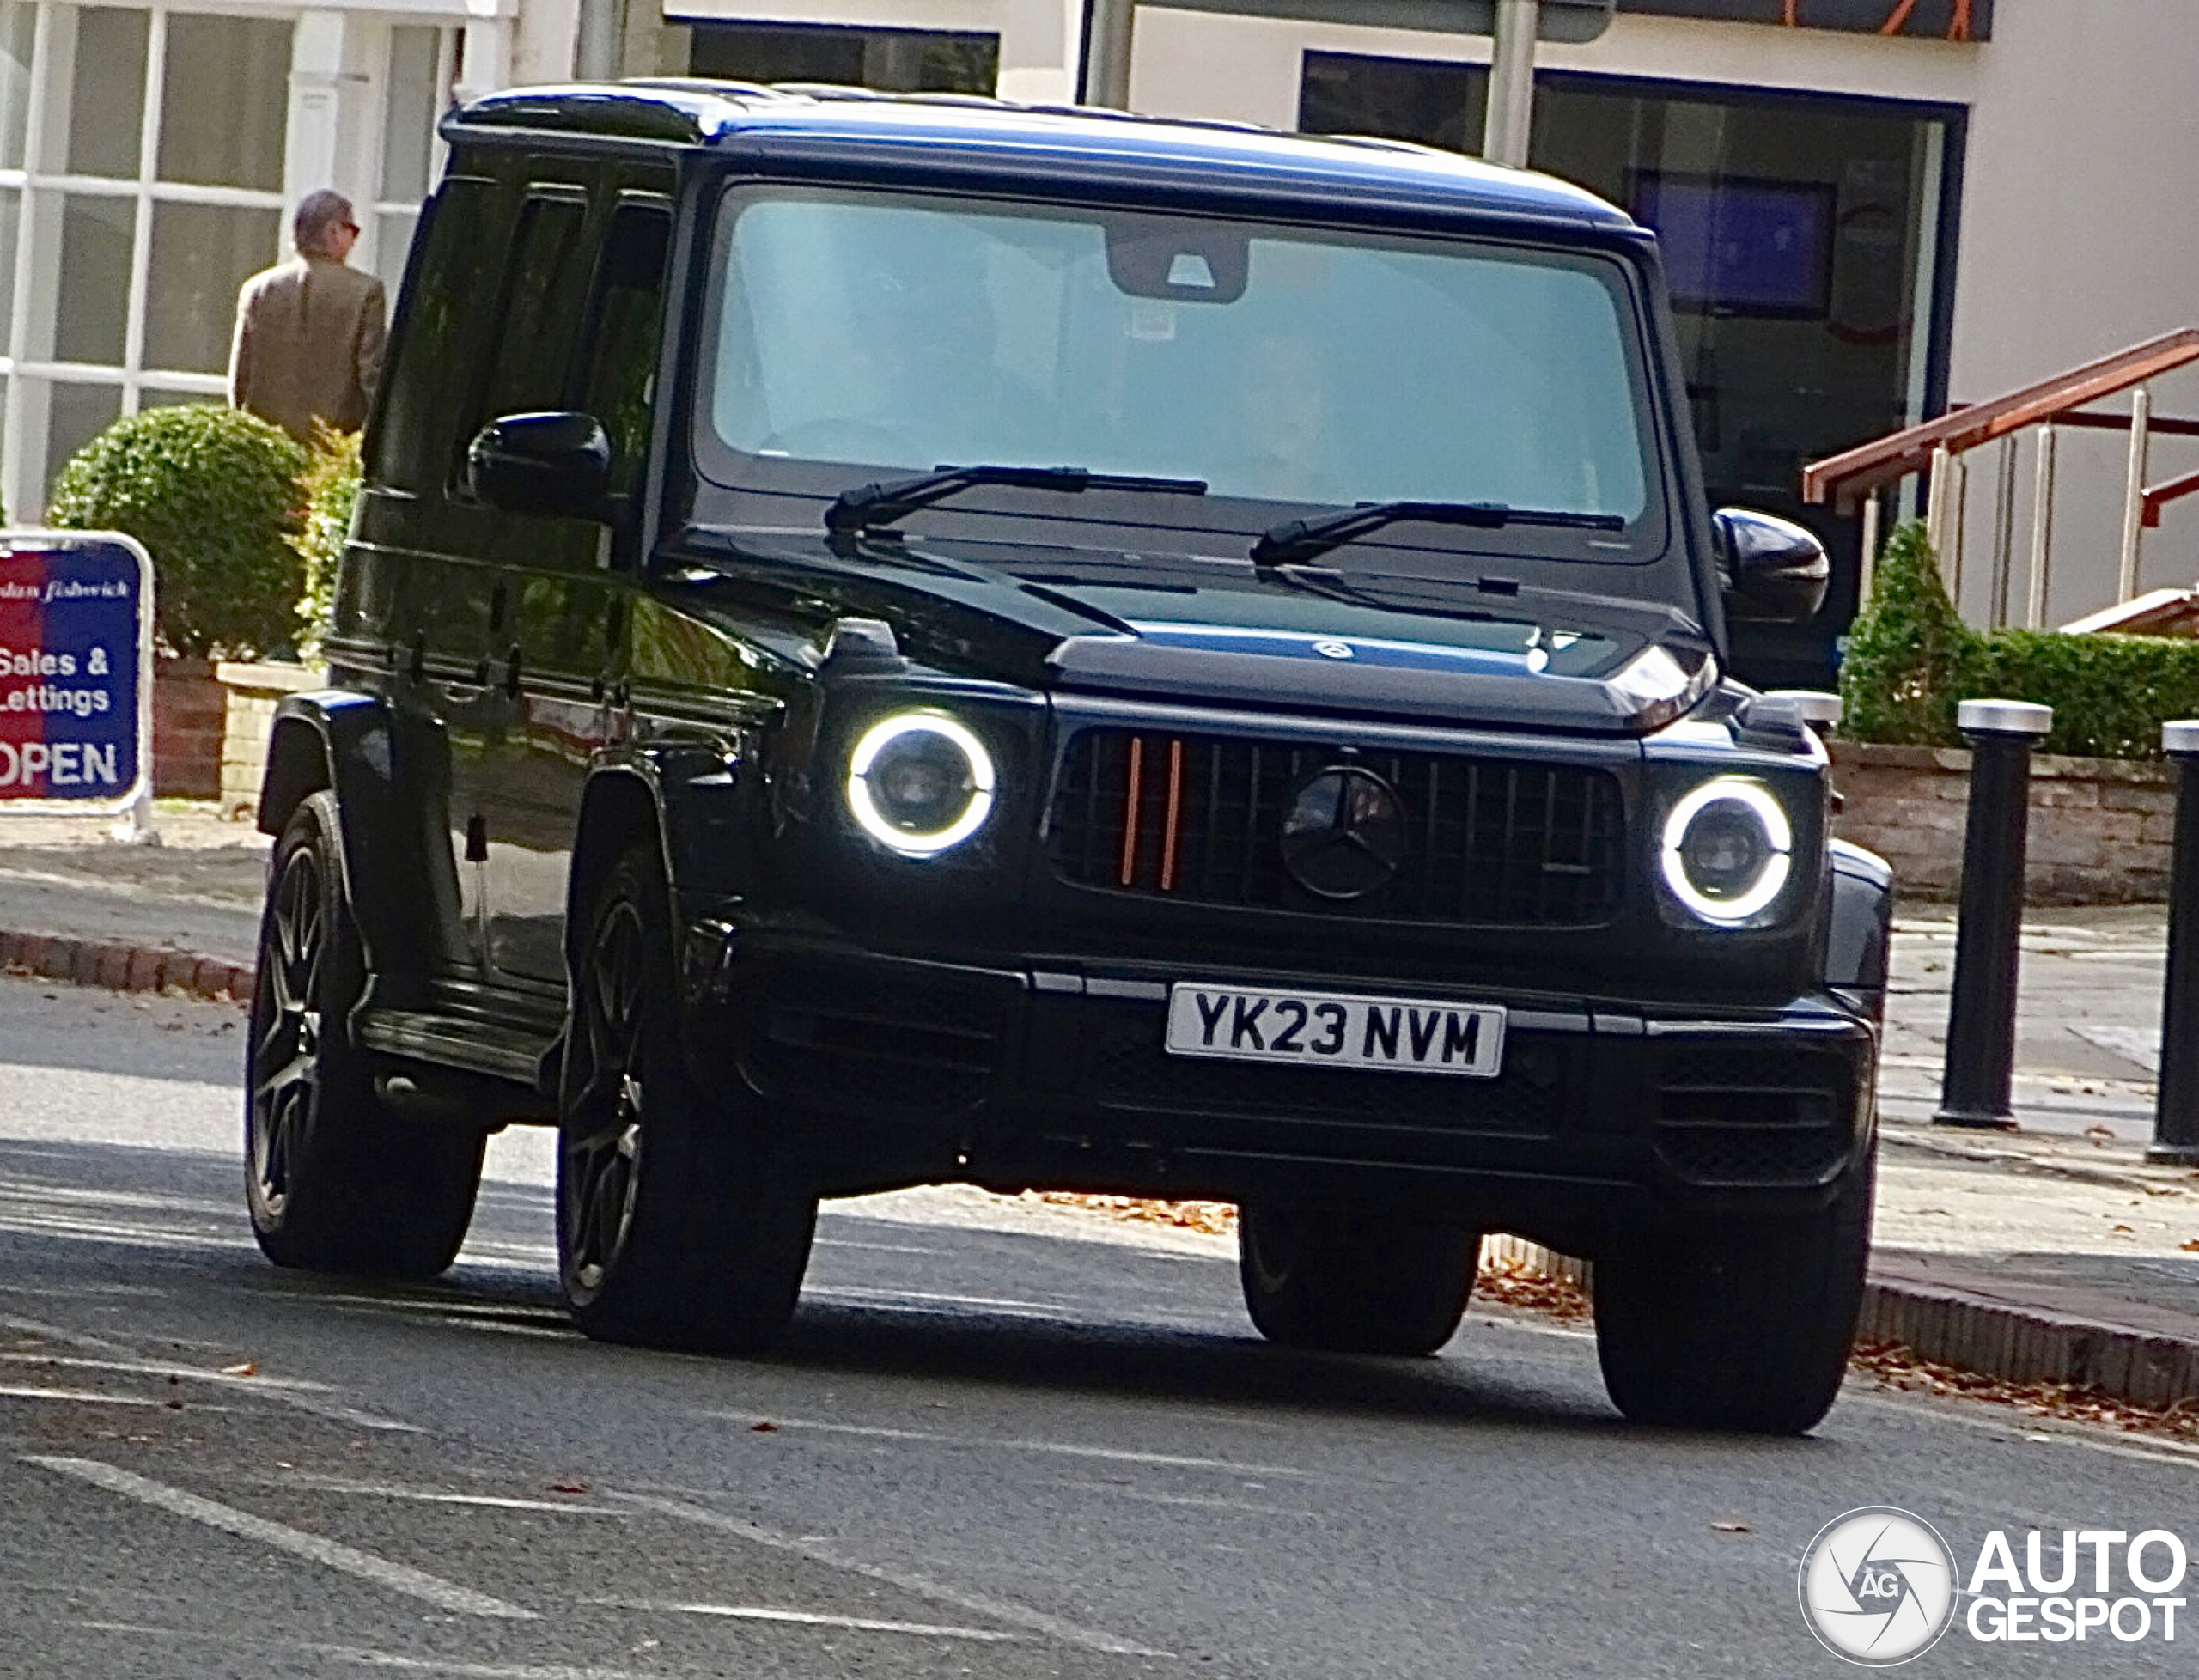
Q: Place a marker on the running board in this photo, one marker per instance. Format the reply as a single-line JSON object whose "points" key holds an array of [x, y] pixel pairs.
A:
{"points": [[474, 1047]]}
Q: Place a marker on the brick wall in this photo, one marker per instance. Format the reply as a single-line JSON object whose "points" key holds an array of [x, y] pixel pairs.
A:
{"points": [[187, 722], [2100, 828], [252, 692]]}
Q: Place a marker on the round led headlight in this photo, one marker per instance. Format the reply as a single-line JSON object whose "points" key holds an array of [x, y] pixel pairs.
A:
{"points": [[920, 783], [1728, 849]]}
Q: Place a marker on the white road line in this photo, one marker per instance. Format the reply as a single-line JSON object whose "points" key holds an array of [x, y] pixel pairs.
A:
{"points": [[978, 1603], [1064, 1449], [812, 1619], [293, 1396], [337, 1484], [330, 1554], [1253, 1506], [1050, 1309], [142, 1368], [234, 1644], [85, 1396]]}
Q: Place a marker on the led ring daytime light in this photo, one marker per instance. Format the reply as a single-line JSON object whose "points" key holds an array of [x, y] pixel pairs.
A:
{"points": [[883, 734], [1778, 838]]}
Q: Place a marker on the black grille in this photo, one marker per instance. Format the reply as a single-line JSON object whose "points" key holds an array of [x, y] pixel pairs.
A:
{"points": [[1130, 1072], [1763, 1116], [1488, 843], [839, 1040]]}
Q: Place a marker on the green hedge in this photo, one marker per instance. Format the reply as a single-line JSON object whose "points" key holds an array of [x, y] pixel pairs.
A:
{"points": [[213, 494], [330, 490], [1910, 659]]}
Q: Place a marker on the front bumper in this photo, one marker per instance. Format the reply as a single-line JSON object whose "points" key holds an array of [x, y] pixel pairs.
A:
{"points": [[1052, 1075]]}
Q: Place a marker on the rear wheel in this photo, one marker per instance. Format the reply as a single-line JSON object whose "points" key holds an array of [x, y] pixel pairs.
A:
{"points": [[1353, 1282], [1743, 1328], [333, 1181], [679, 1224]]}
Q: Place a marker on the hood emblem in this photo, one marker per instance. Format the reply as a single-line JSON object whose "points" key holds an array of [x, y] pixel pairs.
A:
{"points": [[1344, 835], [1334, 650]]}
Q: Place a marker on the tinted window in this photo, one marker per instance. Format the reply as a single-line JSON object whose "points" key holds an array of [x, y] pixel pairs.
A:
{"points": [[618, 383], [540, 306], [434, 357]]}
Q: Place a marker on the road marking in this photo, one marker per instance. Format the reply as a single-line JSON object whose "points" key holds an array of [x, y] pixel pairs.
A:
{"points": [[86, 1396], [1118, 1490], [337, 1484], [1064, 1449], [816, 1551], [294, 1396], [1050, 1309], [330, 1554], [813, 1619], [873, 1248]]}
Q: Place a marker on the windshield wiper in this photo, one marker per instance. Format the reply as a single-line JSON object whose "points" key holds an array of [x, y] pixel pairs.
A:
{"points": [[1299, 540], [871, 505]]}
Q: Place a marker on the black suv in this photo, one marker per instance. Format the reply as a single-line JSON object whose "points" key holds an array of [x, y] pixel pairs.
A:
{"points": [[891, 641]]}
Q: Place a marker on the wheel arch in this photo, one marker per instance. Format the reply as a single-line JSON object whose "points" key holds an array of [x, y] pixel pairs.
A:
{"points": [[1859, 929], [621, 807]]}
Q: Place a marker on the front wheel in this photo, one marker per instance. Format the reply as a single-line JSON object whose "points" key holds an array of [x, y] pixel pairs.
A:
{"points": [[333, 1181], [1745, 1327], [1353, 1282], [679, 1224]]}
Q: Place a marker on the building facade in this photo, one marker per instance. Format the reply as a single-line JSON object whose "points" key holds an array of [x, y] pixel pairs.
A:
{"points": [[1871, 208]]}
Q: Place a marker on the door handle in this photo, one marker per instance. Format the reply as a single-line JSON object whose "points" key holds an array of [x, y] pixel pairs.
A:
{"points": [[512, 672]]}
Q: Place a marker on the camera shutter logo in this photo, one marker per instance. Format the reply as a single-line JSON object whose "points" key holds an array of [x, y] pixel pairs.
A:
{"points": [[1878, 1586]]}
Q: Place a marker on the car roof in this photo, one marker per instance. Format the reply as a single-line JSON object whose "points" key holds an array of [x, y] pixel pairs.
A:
{"points": [[816, 123]]}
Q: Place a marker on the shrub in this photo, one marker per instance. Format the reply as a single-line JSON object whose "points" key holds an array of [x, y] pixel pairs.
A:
{"points": [[1908, 651], [213, 495], [329, 488], [1910, 659]]}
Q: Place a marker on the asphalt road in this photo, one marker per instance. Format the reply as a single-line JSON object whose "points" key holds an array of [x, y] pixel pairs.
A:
{"points": [[1003, 1440]]}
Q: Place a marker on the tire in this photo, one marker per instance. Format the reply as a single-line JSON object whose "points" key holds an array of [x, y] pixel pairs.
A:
{"points": [[1353, 1284], [679, 1226], [1745, 1329], [333, 1181]]}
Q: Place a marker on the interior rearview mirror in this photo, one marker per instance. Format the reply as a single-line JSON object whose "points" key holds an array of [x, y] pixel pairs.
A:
{"points": [[1774, 569], [556, 465]]}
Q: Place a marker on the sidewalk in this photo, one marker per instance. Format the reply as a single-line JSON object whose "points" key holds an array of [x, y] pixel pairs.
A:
{"points": [[2054, 1253]]}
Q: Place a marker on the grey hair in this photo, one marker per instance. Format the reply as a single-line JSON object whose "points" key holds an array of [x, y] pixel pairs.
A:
{"points": [[319, 214]]}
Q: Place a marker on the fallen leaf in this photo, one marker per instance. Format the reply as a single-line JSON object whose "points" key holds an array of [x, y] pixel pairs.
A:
{"points": [[2191, 1247], [2124, 1229], [175, 1405], [2100, 1135], [1730, 1528], [763, 1426], [249, 1368], [568, 1486]]}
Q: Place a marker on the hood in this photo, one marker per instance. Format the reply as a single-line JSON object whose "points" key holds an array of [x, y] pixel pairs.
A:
{"points": [[1492, 650]]}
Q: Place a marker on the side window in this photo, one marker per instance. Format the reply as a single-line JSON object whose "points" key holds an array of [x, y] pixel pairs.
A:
{"points": [[618, 382], [435, 353], [538, 308]]}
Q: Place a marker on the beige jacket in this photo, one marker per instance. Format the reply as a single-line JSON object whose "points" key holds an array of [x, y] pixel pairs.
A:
{"points": [[308, 345]]}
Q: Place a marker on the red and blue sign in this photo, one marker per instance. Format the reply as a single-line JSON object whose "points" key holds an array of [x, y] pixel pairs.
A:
{"points": [[76, 671]]}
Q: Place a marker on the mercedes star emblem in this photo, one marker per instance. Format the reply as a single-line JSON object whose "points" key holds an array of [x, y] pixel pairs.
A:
{"points": [[1344, 833]]}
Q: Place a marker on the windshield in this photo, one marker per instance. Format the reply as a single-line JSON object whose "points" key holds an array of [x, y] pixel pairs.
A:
{"points": [[898, 333]]}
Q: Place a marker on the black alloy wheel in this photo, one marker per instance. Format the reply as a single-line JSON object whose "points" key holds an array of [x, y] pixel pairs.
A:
{"points": [[333, 1181], [679, 1224], [1353, 1282]]}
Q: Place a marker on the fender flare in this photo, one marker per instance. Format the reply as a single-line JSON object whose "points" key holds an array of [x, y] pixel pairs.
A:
{"points": [[346, 742], [1860, 929]]}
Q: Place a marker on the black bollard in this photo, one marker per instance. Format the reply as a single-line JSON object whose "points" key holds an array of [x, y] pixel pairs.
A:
{"points": [[2176, 1106], [1982, 1015]]}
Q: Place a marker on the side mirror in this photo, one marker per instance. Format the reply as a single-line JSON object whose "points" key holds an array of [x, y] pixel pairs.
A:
{"points": [[1773, 569], [556, 465]]}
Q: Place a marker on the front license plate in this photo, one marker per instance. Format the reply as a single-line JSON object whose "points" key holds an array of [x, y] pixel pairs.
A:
{"points": [[1337, 1029]]}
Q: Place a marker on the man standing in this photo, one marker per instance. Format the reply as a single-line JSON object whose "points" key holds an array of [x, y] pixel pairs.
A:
{"points": [[309, 331]]}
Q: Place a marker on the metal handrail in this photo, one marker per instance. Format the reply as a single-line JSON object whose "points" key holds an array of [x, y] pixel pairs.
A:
{"points": [[2169, 491], [1841, 479]]}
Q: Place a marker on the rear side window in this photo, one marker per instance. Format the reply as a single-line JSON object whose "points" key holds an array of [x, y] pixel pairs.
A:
{"points": [[434, 359], [539, 306]]}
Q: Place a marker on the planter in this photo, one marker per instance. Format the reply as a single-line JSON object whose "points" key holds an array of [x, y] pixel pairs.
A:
{"points": [[250, 694], [2101, 829], [188, 707]]}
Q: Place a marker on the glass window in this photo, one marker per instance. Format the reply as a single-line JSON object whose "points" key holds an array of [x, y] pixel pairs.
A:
{"points": [[235, 140], [393, 243], [92, 307], [200, 255], [18, 25], [435, 354], [541, 307], [106, 98], [623, 360], [10, 207], [77, 414], [906, 61], [1280, 364], [416, 99]]}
